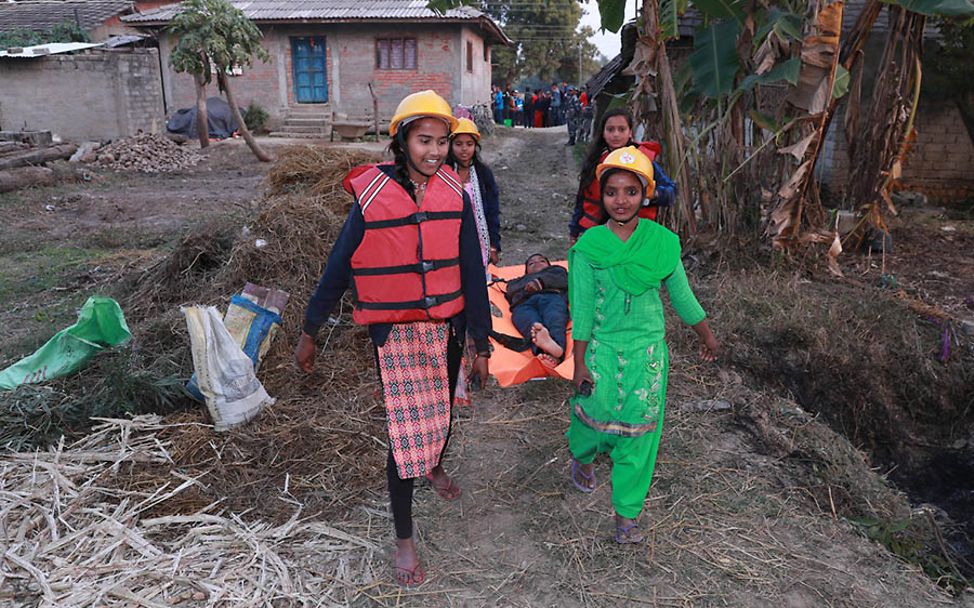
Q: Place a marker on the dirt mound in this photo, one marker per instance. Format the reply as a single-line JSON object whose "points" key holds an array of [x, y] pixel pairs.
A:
{"points": [[146, 152], [875, 371]]}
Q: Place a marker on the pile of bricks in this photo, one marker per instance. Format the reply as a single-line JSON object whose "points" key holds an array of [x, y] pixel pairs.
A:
{"points": [[146, 152]]}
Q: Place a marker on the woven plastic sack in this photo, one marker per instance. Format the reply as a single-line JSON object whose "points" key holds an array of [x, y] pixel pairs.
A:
{"points": [[225, 374], [252, 327], [100, 325]]}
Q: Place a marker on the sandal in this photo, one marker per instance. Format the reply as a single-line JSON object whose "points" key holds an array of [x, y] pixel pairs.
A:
{"points": [[410, 577], [576, 473], [628, 534], [451, 491]]}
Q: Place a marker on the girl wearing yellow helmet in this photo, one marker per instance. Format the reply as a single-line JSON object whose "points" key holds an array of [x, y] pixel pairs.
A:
{"points": [[614, 132], [478, 181], [621, 359], [409, 250]]}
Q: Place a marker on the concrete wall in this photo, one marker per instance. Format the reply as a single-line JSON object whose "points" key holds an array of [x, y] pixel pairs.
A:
{"points": [[940, 162], [475, 84], [438, 64], [351, 66], [94, 95]]}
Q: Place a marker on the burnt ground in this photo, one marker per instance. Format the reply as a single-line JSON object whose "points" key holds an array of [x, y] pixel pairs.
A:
{"points": [[765, 495]]}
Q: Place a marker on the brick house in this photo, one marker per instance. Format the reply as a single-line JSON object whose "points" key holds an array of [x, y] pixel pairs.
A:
{"points": [[324, 54]]}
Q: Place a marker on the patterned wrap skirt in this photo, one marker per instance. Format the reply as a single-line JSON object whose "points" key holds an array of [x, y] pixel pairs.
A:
{"points": [[413, 365]]}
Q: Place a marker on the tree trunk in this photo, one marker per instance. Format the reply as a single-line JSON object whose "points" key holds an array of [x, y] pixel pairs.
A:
{"points": [[42, 155], [375, 112], [16, 179], [262, 156], [202, 121], [683, 213]]}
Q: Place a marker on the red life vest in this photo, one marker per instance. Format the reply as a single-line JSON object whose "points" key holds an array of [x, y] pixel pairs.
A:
{"points": [[592, 213], [407, 267]]}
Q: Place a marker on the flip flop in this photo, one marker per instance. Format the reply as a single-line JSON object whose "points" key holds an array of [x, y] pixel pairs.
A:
{"points": [[451, 491], [628, 534], [410, 577], [577, 472]]}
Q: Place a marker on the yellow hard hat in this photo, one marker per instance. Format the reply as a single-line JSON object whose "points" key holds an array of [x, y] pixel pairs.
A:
{"points": [[466, 126], [631, 159], [422, 104]]}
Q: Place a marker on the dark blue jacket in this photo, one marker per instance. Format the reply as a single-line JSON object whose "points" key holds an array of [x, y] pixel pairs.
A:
{"points": [[491, 197]]}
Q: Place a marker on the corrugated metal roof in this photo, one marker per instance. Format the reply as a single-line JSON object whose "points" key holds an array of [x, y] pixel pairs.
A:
{"points": [[332, 10], [41, 15], [52, 48], [299, 10]]}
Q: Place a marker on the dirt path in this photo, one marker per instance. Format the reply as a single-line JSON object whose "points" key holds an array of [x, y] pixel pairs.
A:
{"points": [[728, 523], [537, 178]]}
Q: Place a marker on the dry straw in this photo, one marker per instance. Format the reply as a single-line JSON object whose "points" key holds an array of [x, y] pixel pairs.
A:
{"points": [[74, 538]]}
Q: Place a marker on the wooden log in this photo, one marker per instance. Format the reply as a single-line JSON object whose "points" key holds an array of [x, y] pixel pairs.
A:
{"points": [[41, 155], [15, 179]]}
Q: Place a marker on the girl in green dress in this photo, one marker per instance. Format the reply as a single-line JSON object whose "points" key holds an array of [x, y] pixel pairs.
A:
{"points": [[621, 358]]}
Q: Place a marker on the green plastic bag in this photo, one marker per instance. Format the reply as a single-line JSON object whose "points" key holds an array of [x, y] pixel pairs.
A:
{"points": [[100, 325]]}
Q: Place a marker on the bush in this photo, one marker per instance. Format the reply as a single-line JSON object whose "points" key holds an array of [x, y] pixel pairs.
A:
{"points": [[62, 32], [255, 117]]}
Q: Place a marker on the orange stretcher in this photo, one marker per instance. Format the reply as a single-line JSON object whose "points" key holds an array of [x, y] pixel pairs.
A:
{"points": [[508, 366]]}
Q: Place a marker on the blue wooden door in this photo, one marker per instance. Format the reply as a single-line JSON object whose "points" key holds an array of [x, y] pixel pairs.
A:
{"points": [[308, 61]]}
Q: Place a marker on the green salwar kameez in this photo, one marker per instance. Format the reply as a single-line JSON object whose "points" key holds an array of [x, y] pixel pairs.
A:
{"points": [[614, 295]]}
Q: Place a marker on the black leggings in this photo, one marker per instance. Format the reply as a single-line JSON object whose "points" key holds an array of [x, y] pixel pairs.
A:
{"points": [[401, 490]]}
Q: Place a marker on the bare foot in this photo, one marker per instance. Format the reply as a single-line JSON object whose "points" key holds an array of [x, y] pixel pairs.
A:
{"points": [[547, 360], [543, 340], [409, 572], [443, 483]]}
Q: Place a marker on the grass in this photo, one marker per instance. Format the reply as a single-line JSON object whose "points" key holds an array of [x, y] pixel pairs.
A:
{"points": [[30, 272], [8, 199]]}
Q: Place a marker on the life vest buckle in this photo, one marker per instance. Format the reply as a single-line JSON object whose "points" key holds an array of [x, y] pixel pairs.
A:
{"points": [[427, 266], [419, 217]]}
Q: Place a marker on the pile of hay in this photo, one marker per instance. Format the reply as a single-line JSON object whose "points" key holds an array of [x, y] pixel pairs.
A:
{"points": [[324, 435]]}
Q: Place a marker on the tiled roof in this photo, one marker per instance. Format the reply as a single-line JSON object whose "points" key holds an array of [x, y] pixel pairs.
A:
{"points": [[45, 14], [332, 11]]}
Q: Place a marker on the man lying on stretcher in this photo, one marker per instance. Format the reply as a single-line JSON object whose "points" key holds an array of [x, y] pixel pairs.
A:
{"points": [[539, 307]]}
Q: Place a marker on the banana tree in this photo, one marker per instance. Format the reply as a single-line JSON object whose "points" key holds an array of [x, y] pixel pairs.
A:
{"points": [[757, 95]]}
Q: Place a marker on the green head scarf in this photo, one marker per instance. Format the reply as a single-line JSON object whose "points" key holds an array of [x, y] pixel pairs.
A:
{"points": [[650, 255]]}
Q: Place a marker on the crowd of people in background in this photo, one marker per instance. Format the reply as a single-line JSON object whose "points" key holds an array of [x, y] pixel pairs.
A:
{"points": [[559, 104]]}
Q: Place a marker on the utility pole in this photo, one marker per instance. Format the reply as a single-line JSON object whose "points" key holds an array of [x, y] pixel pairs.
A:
{"points": [[579, 63]]}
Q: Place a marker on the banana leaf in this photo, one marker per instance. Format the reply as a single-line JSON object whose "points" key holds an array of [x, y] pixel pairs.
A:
{"points": [[714, 60]]}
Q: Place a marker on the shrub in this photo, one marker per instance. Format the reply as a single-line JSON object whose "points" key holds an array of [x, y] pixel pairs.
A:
{"points": [[255, 117]]}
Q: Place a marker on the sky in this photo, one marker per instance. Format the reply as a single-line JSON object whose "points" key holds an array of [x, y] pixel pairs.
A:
{"points": [[607, 42]]}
